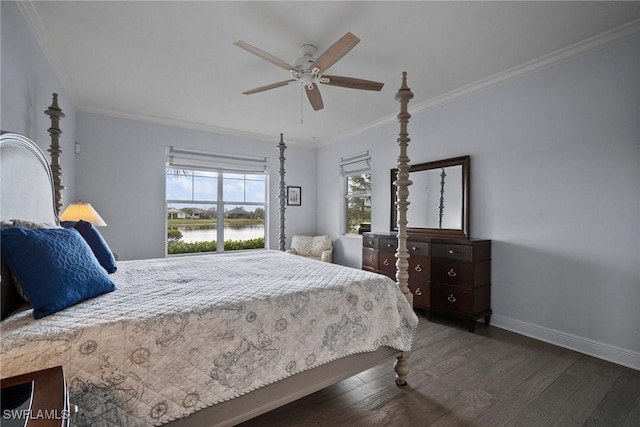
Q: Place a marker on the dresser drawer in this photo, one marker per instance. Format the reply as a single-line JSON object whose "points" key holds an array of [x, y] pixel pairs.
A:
{"points": [[452, 251], [469, 302], [370, 259], [389, 245], [452, 272], [419, 278], [460, 273], [370, 242], [421, 295], [419, 270], [452, 298], [387, 264], [468, 253], [418, 249]]}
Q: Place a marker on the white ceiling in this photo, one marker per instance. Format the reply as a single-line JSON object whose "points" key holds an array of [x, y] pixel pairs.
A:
{"points": [[174, 62]]}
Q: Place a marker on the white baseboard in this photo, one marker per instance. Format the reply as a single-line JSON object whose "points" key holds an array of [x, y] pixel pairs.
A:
{"points": [[600, 350]]}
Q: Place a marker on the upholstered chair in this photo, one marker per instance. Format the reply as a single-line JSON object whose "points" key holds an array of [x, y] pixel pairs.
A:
{"points": [[315, 247]]}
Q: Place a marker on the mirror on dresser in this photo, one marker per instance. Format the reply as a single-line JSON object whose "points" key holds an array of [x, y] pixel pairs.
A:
{"points": [[439, 197]]}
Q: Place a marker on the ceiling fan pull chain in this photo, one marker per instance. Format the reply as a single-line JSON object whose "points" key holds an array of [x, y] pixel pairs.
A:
{"points": [[301, 102]]}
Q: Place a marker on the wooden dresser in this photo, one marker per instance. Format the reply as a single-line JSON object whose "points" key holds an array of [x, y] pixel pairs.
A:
{"points": [[451, 276]]}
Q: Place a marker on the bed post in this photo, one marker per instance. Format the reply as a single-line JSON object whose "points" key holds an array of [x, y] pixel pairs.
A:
{"points": [[402, 183], [281, 194], [55, 114]]}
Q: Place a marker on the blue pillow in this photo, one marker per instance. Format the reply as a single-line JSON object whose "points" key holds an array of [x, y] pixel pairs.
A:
{"points": [[97, 244], [55, 266]]}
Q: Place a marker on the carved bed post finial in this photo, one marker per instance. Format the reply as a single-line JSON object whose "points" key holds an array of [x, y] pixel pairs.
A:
{"points": [[402, 184], [55, 113], [281, 194]]}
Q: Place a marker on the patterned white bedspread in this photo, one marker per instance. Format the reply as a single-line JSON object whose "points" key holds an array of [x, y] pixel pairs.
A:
{"points": [[181, 334]]}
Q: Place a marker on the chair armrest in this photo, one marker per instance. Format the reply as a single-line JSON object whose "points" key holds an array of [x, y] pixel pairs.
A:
{"points": [[326, 255]]}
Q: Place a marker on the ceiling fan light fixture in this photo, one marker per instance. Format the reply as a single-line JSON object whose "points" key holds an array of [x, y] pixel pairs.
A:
{"points": [[308, 71], [307, 79]]}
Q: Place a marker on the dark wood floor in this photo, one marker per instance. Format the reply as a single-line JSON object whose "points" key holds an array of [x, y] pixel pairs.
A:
{"points": [[490, 378]]}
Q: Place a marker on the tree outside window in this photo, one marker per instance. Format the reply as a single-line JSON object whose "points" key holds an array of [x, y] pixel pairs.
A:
{"points": [[358, 202]]}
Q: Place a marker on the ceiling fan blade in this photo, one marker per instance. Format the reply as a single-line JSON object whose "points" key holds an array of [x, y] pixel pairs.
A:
{"points": [[335, 52], [264, 55], [351, 83], [314, 97], [267, 87]]}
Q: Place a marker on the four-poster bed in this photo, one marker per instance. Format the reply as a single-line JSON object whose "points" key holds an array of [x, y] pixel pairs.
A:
{"points": [[207, 339]]}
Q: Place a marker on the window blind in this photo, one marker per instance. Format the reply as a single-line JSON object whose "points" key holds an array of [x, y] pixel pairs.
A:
{"points": [[355, 163], [182, 158]]}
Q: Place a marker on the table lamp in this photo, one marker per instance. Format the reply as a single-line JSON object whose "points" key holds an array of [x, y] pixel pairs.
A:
{"points": [[82, 211]]}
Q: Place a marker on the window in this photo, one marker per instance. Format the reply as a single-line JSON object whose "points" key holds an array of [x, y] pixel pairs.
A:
{"points": [[356, 170], [358, 202], [212, 207]]}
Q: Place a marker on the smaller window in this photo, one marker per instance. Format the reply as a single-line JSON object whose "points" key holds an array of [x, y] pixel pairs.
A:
{"points": [[358, 203]]}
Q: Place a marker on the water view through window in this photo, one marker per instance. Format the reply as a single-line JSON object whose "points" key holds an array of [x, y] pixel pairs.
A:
{"points": [[192, 234], [201, 212]]}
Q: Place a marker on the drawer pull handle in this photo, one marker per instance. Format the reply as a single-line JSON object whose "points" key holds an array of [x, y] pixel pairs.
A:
{"points": [[418, 292], [386, 262], [451, 298], [413, 248], [418, 268], [388, 245], [371, 258], [451, 251], [371, 242], [452, 273]]}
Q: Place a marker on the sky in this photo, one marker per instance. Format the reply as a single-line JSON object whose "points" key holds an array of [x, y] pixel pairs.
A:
{"points": [[202, 186]]}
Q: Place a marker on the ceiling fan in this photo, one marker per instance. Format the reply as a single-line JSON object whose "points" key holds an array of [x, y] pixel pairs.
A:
{"points": [[309, 70]]}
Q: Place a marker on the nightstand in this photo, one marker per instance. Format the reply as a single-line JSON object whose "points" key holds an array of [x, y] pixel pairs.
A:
{"points": [[50, 405]]}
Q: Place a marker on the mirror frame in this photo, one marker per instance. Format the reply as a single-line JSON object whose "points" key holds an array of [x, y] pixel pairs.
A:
{"points": [[465, 162]]}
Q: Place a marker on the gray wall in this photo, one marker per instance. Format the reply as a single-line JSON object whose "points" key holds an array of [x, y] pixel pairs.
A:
{"points": [[555, 183], [121, 170], [27, 86]]}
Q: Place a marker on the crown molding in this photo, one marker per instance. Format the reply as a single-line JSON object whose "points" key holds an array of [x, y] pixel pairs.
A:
{"points": [[586, 46], [165, 121]]}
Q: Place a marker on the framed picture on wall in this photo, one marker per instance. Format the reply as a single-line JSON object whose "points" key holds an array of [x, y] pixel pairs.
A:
{"points": [[294, 196]]}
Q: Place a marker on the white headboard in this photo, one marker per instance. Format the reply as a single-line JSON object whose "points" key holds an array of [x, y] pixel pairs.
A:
{"points": [[26, 182]]}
